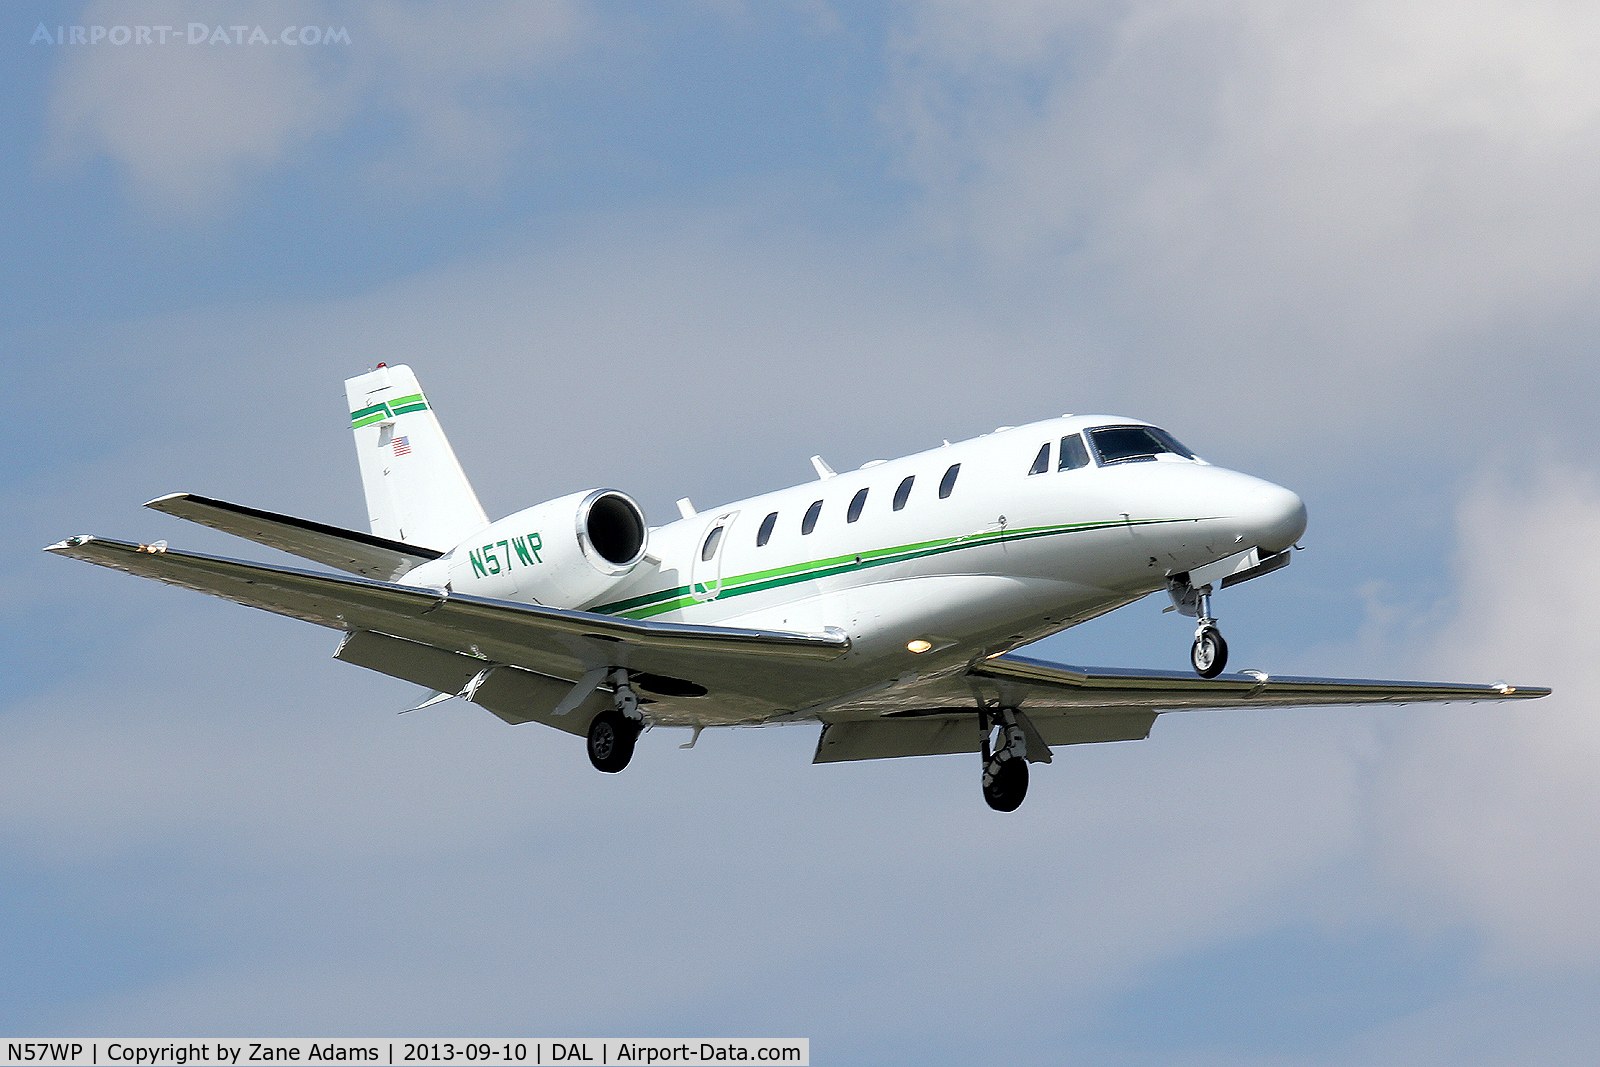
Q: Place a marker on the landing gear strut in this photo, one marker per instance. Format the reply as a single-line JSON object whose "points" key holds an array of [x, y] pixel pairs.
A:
{"points": [[1209, 653], [613, 732], [1005, 769]]}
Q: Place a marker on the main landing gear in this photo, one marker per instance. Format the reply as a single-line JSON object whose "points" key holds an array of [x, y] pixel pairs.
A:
{"points": [[1005, 769], [613, 732], [1209, 653]]}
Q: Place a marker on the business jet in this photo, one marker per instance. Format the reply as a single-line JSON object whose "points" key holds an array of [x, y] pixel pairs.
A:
{"points": [[886, 603]]}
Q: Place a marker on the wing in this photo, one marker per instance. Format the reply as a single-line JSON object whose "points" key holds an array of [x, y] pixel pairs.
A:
{"points": [[1066, 705], [447, 640], [346, 550]]}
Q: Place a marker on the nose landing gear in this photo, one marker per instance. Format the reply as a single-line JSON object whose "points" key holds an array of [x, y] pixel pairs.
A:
{"points": [[1209, 653]]}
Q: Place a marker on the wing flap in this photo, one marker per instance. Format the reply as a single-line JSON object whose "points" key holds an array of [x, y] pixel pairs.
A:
{"points": [[949, 730], [345, 550], [934, 735], [1093, 729], [511, 693], [437, 668]]}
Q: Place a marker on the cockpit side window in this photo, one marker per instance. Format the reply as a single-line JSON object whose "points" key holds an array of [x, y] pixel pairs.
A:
{"points": [[1172, 442], [1129, 444], [1073, 454], [1041, 462]]}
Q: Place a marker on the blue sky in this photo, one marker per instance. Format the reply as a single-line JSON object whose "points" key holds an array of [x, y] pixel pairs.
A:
{"points": [[679, 249]]}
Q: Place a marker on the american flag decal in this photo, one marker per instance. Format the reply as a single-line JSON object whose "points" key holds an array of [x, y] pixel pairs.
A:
{"points": [[402, 446]]}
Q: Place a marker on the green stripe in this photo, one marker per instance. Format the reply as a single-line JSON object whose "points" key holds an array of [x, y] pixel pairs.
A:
{"points": [[369, 415], [665, 600], [378, 412]]}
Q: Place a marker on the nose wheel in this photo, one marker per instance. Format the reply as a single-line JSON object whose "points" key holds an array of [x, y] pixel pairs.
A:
{"points": [[1209, 653]]}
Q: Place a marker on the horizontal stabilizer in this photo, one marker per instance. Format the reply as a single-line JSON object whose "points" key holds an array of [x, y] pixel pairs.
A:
{"points": [[347, 550]]}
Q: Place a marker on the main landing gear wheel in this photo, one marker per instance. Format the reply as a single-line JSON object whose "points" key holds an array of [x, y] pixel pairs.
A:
{"points": [[611, 739], [1005, 769], [1008, 786], [1209, 653]]}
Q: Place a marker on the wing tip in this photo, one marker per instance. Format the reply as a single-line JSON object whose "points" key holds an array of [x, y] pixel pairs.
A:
{"points": [[70, 543], [169, 498]]}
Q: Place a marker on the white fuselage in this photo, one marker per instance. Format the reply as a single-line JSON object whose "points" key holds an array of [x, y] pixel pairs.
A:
{"points": [[1004, 558]]}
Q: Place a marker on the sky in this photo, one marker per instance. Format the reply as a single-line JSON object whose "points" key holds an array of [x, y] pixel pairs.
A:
{"points": [[678, 249]]}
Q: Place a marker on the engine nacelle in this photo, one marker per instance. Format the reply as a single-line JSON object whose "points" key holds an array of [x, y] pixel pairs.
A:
{"points": [[565, 553]]}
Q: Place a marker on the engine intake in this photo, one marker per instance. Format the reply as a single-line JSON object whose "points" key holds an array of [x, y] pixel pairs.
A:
{"points": [[611, 530]]}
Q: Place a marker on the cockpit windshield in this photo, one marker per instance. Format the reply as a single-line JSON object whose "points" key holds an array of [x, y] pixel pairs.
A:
{"points": [[1125, 444]]}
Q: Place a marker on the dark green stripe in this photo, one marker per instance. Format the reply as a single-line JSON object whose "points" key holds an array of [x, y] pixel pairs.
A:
{"points": [[368, 416], [380, 411]]}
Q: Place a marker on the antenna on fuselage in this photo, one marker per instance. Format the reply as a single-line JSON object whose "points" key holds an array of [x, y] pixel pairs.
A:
{"points": [[824, 472]]}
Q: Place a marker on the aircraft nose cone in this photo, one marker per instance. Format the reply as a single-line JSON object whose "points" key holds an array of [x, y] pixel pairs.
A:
{"points": [[1276, 517]]}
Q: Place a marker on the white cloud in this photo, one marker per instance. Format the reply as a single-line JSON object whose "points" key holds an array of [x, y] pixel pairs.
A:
{"points": [[189, 124], [1352, 204], [1497, 811]]}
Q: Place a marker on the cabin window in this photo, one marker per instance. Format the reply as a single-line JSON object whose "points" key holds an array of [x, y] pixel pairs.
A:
{"points": [[809, 523], [709, 549], [764, 534], [948, 482], [1041, 462], [857, 502], [1124, 444], [1073, 454], [902, 494]]}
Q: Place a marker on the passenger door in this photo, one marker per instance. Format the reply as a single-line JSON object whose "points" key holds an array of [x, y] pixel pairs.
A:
{"points": [[705, 573]]}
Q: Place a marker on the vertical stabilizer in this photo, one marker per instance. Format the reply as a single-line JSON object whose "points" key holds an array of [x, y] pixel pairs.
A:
{"points": [[416, 489]]}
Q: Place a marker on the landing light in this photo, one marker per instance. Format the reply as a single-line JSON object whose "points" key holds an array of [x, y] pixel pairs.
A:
{"points": [[919, 646]]}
